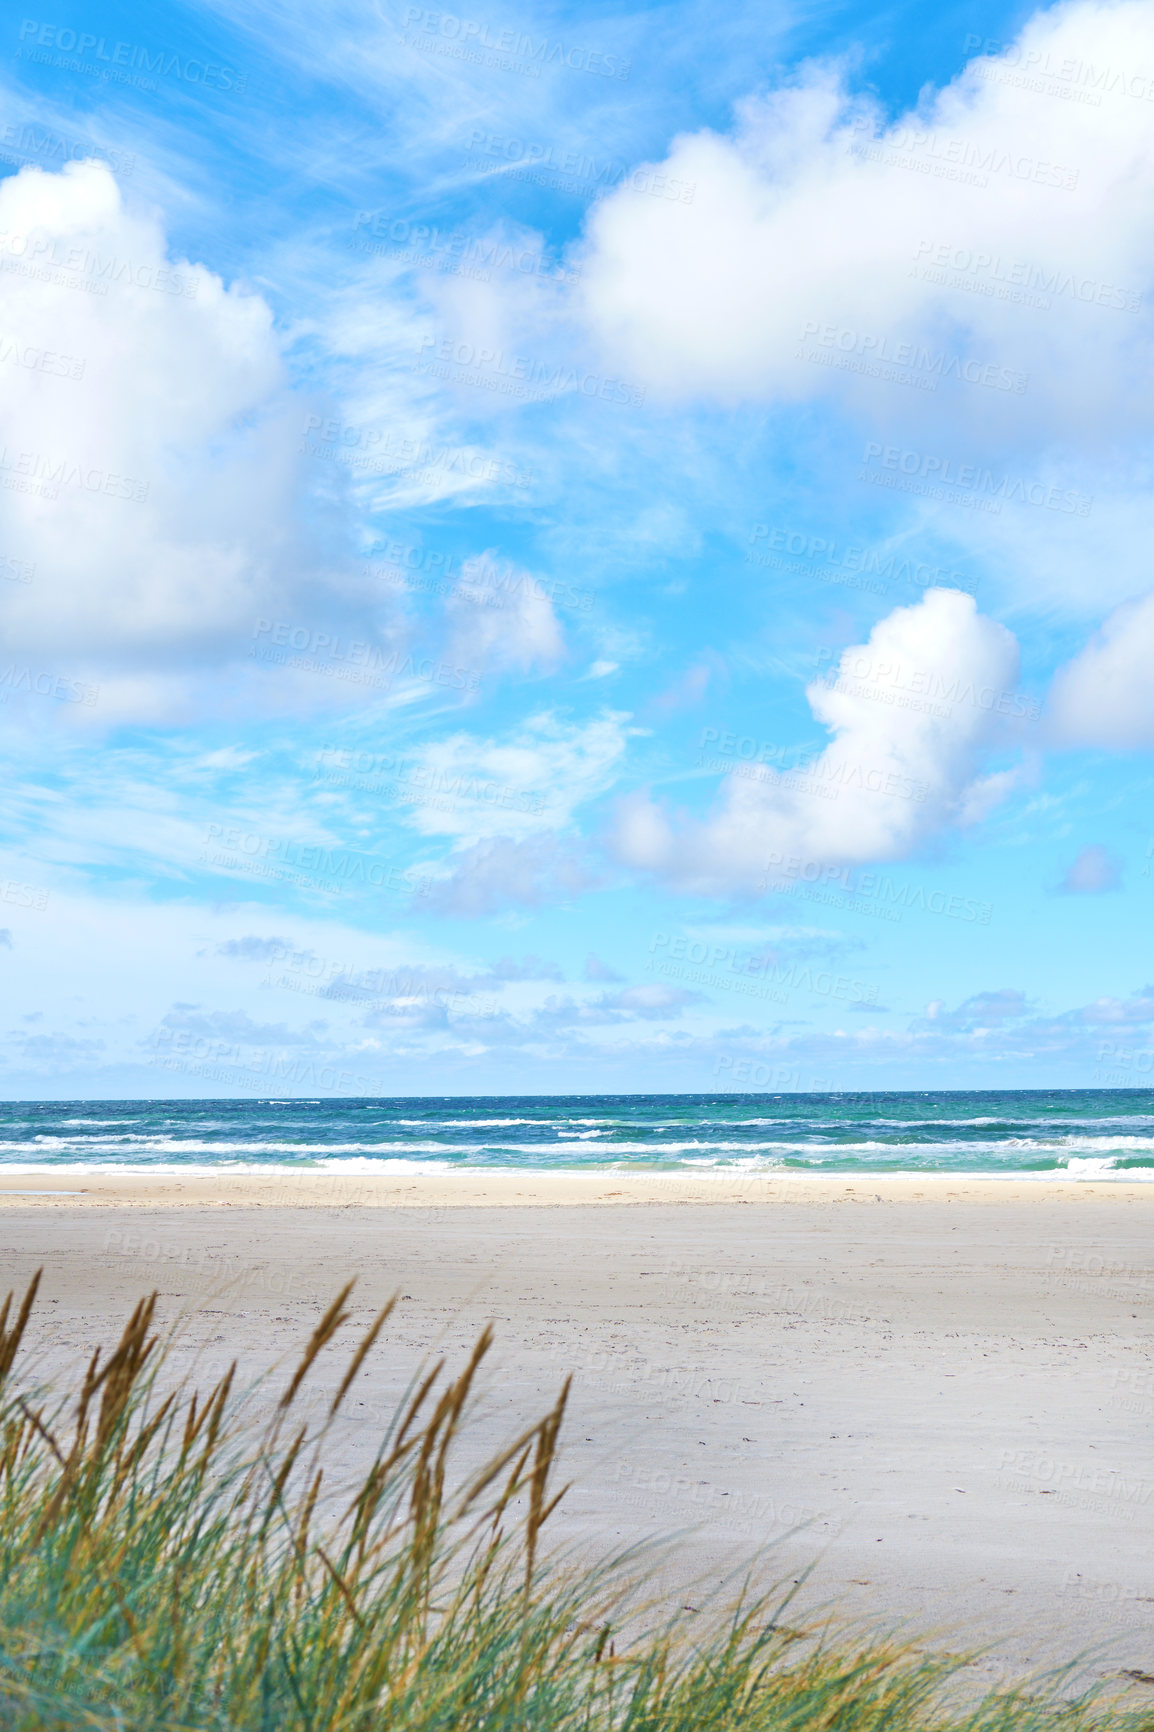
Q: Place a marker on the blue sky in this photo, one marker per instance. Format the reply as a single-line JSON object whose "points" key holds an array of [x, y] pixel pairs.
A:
{"points": [[556, 549]]}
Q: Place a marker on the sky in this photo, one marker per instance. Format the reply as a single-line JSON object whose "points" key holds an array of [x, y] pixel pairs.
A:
{"points": [[554, 549]]}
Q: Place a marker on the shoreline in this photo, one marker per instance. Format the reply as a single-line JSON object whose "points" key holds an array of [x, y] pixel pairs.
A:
{"points": [[511, 1187]]}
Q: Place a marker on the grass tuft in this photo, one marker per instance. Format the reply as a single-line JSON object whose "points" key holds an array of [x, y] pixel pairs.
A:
{"points": [[162, 1566]]}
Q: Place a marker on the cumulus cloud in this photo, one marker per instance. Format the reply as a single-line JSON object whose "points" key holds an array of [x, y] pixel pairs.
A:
{"points": [[1105, 696], [148, 441], [911, 713], [1094, 871], [992, 226]]}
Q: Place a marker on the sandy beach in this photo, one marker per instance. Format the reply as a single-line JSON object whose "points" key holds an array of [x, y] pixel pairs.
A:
{"points": [[936, 1392]]}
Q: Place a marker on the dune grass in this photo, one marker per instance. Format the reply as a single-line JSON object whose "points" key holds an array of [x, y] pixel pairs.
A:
{"points": [[163, 1566]]}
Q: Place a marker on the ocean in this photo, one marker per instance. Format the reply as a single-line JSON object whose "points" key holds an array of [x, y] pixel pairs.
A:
{"points": [[1039, 1133]]}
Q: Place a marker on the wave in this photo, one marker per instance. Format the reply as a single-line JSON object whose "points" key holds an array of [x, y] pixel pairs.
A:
{"points": [[823, 1145], [364, 1166]]}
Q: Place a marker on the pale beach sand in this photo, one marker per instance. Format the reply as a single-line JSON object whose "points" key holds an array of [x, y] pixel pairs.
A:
{"points": [[951, 1381]]}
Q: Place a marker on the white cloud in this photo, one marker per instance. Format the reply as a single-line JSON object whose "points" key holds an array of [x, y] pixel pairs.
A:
{"points": [[911, 713], [471, 788], [501, 619], [979, 1013], [1094, 871], [1105, 697], [155, 396], [994, 223], [652, 1001], [501, 874]]}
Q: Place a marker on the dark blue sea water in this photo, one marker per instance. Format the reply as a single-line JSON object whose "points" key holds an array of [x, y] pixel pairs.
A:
{"points": [[1060, 1133]]}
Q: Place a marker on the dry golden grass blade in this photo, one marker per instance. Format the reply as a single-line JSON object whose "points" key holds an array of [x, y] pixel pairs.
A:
{"points": [[214, 1413], [36, 1420], [362, 1353], [190, 1427], [490, 1471], [119, 1379], [342, 1585], [302, 1534], [367, 1500], [132, 1453], [283, 1472], [122, 1372], [324, 1332], [418, 1402], [10, 1338], [458, 1393], [539, 1480]]}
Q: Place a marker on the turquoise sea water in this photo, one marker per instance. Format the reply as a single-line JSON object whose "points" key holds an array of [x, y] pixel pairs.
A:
{"points": [[1088, 1134]]}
